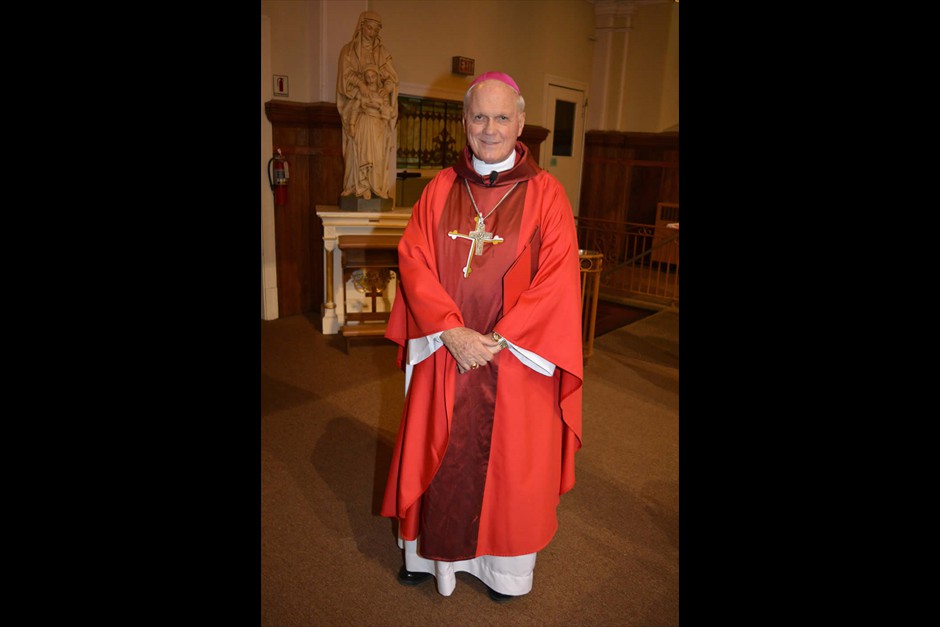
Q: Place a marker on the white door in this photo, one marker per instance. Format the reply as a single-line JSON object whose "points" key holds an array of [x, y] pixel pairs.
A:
{"points": [[561, 152]]}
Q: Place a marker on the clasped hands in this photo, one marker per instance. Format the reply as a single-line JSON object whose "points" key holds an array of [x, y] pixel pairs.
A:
{"points": [[469, 348]]}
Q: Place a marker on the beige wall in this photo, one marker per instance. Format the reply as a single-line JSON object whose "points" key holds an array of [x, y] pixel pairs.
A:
{"points": [[528, 39], [669, 107], [645, 104], [291, 34], [635, 77]]}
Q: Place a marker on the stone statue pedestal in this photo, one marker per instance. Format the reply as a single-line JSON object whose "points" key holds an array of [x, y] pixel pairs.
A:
{"points": [[354, 203]]}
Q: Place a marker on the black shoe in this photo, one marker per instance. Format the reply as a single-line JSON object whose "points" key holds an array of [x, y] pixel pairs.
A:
{"points": [[499, 597], [412, 579]]}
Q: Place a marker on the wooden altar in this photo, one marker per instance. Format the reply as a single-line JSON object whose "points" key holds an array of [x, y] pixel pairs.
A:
{"points": [[357, 248]]}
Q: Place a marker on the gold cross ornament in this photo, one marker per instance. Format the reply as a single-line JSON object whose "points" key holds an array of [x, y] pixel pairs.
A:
{"points": [[477, 237]]}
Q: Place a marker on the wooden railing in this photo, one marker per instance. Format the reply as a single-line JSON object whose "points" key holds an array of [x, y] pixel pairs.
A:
{"points": [[640, 261]]}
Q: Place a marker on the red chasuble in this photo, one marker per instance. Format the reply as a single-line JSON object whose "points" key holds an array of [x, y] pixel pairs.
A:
{"points": [[481, 458]]}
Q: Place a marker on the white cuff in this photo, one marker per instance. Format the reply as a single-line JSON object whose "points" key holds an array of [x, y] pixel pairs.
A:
{"points": [[533, 361], [421, 348]]}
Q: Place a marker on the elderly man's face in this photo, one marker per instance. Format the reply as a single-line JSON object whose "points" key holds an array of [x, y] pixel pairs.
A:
{"points": [[492, 121]]}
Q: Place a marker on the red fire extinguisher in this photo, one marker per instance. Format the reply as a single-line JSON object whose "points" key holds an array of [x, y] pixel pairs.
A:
{"points": [[279, 180]]}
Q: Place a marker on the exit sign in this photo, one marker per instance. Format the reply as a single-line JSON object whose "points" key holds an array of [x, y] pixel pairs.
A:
{"points": [[462, 65]]}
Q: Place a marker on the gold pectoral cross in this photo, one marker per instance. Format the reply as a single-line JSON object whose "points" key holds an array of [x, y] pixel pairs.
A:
{"points": [[477, 237]]}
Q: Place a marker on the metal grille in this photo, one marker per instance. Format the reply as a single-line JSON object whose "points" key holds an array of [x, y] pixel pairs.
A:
{"points": [[592, 264], [640, 260], [430, 134]]}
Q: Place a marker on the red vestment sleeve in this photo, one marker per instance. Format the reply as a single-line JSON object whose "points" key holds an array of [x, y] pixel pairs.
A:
{"points": [[417, 259], [546, 317], [429, 399]]}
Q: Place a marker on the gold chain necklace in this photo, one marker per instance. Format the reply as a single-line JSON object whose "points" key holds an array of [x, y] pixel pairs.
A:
{"points": [[482, 220], [478, 236]]}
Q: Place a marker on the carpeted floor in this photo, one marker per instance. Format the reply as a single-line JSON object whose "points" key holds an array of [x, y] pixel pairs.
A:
{"points": [[328, 421], [612, 316]]}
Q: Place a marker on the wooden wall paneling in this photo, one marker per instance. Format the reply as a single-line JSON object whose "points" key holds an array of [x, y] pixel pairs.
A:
{"points": [[670, 189], [650, 167], [645, 186], [603, 179], [618, 180], [590, 185], [310, 136], [626, 174], [532, 137], [327, 165], [616, 186], [290, 224]]}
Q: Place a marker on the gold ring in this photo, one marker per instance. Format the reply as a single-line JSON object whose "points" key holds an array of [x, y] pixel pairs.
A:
{"points": [[474, 365]]}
